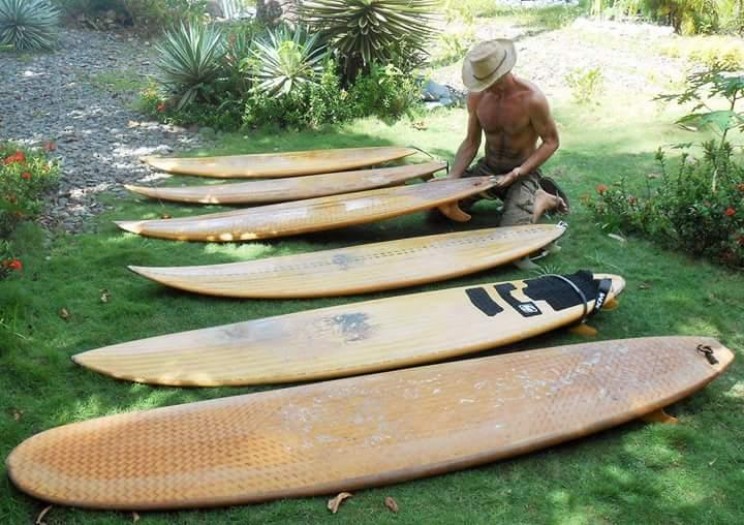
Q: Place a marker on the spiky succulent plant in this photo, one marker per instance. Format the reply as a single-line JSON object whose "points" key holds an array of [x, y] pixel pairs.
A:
{"points": [[284, 60], [190, 61], [371, 31], [28, 24]]}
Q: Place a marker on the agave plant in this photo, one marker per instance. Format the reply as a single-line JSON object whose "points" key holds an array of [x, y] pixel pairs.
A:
{"points": [[190, 59], [368, 31], [28, 24], [284, 60]]}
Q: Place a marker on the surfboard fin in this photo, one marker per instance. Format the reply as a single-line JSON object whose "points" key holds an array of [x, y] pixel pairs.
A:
{"points": [[452, 211], [612, 304], [660, 416], [583, 330]]}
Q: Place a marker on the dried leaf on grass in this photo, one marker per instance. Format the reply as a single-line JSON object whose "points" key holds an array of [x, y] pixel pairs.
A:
{"points": [[165, 216], [105, 295], [335, 503], [16, 413], [40, 517], [391, 504], [64, 314], [135, 517]]}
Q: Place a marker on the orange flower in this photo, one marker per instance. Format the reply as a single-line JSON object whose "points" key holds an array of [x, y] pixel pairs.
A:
{"points": [[13, 264], [730, 212], [26, 175], [601, 189], [18, 156]]}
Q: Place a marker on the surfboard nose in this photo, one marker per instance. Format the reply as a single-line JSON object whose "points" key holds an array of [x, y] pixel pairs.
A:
{"points": [[130, 226]]}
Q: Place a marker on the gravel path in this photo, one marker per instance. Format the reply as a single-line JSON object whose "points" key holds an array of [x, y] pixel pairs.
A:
{"points": [[99, 138]]}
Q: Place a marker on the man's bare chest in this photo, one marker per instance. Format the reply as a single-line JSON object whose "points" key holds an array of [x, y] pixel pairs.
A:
{"points": [[509, 116]]}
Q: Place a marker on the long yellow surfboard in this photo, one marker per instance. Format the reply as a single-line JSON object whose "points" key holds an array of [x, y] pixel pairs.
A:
{"points": [[291, 188], [360, 337], [283, 164], [311, 215], [360, 269], [361, 432]]}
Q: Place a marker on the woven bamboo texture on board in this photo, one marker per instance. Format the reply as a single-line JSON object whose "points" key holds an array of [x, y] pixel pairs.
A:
{"points": [[363, 268], [348, 339], [283, 164], [310, 215], [359, 432], [290, 188]]}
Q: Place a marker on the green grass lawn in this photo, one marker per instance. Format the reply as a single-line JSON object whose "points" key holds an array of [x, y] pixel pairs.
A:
{"points": [[636, 473]]}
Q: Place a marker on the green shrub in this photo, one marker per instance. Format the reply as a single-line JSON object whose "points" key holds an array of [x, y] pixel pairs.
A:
{"points": [[586, 84], [385, 92], [28, 24], [700, 208], [311, 105], [25, 175], [367, 32], [144, 14]]}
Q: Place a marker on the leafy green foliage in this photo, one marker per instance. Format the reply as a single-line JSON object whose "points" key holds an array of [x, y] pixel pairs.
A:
{"points": [[143, 14], [700, 209], [285, 60], [24, 177], [28, 24], [586, 84], [364, 32], [190, 60], [308, 105], [385, 92]]}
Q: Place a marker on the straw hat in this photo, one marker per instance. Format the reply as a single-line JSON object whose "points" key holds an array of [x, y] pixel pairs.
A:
{"points": [[487, 62]]}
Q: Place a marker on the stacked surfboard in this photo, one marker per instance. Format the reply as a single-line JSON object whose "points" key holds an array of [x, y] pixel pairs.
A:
{"points": [[353, 431]]}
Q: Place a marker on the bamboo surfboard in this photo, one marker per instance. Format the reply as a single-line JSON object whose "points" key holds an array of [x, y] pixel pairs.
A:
{"points": [[284, 164], [310, 215], [360, 269], [361, 432], [291, 188], [357, 338]]}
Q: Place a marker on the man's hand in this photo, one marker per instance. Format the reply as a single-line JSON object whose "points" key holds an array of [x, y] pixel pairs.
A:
{"points": [[506, 180]]}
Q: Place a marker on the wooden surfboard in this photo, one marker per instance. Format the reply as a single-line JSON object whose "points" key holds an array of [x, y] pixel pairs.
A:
{"points": [[283, 164], [310, 215], [361, 432], [360, 269], [291, 188], [356, 338]]}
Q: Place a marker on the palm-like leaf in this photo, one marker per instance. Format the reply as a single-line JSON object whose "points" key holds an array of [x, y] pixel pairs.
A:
{"points": [[190, 61], [28, 24], [367, 31], [286, 59]]}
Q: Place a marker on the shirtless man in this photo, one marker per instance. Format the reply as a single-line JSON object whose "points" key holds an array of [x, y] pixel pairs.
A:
{"points": [[514, 116]]}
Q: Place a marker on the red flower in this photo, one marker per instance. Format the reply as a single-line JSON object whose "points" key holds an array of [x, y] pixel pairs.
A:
{"points": [[730, 212], [18, 156], [601, 189], [26, 175], [13, 264]]}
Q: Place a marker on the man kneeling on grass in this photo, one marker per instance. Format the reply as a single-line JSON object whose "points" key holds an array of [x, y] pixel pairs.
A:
{"points": [[520, 136]]}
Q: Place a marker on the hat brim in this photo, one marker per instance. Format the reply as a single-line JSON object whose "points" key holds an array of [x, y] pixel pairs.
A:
{"points": [[475, 85]]}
